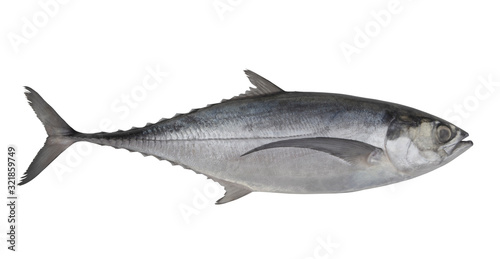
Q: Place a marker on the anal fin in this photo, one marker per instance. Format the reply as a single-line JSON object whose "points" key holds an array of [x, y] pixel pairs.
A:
{"points": [[233, 191]]}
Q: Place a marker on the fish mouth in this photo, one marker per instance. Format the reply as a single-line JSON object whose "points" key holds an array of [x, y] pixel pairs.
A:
{"points": [[460, 146]]}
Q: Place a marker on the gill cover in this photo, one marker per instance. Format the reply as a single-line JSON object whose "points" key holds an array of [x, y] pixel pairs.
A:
{"points": [[412, 144]]}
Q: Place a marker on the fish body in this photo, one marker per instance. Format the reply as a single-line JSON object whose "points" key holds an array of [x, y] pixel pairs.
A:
{"points": [[269, 140]]}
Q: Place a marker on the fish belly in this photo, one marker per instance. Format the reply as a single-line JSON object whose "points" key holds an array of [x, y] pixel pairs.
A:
{"points": [[285, 170]]}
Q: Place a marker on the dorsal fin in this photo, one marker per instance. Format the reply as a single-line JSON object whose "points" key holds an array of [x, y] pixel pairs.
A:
{"points": [[263, 86]]}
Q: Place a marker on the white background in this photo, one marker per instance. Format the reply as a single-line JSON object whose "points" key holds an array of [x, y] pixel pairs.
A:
{"points": [[105, 202]]}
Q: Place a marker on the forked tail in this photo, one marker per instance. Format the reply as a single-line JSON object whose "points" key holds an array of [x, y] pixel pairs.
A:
{"points": [[58, 140]]}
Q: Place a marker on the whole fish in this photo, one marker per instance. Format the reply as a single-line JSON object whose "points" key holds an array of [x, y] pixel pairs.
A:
{"points": [[269, 140]]}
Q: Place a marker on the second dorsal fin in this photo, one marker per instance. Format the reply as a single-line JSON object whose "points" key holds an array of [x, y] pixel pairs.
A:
{"points": [[263, 86]]}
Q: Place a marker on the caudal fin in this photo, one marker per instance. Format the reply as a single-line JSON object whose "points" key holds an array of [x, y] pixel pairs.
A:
{"points": [[58, 140]]}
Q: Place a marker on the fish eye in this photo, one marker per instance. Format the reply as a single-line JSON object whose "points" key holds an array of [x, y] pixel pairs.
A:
{"points": [[443, 133]]}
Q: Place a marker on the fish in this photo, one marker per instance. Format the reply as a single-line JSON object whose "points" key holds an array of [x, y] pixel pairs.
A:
{"points": [[271, 140]]}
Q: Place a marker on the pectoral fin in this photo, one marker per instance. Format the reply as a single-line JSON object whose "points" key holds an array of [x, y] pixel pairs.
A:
{"points": [[346, 149]]}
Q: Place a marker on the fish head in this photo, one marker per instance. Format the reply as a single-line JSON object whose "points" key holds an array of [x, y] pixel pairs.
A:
{"points": [[419, 144]]}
